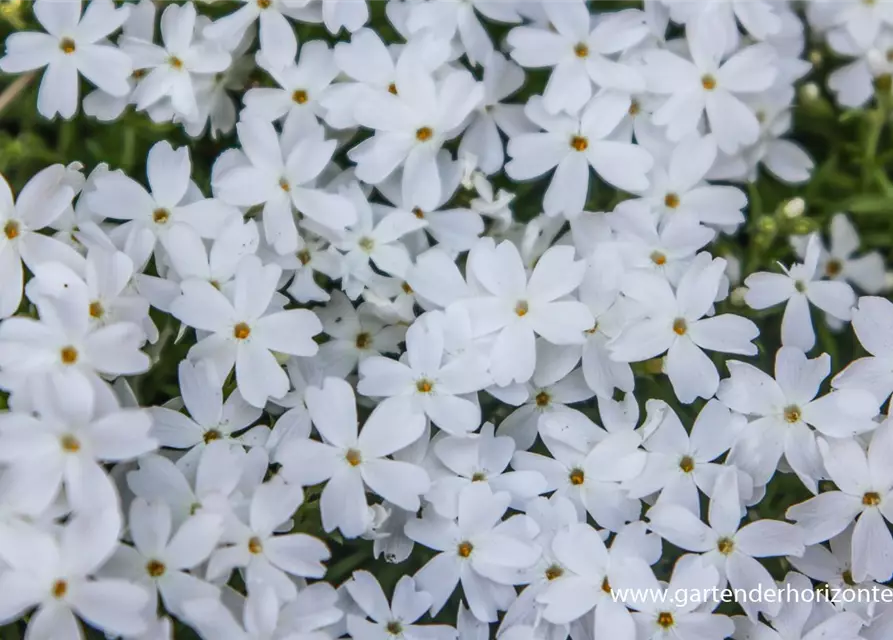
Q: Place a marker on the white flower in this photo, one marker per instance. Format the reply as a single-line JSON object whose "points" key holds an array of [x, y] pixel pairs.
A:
{"points": [[43, 199], [479, 550], [572, 144], [394, 620], [706, 83], [784, 409], [265, 556], [674, 323], [518, 308], [159, 561], [349, 462], [427, 383], [798, 286], [578, 53], [282, 176], [55, 573], [242, 331], [73, 45], [278, 42]]}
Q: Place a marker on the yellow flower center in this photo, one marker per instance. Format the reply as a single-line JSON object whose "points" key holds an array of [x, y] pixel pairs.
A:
{"points": [[255, 546], [392, 89], [418, 213], [284, 185], [304, 256], [394, 628], [708, 82], [60, 588], [680, 326], [241, 331], [543, 399], [725, 546], [606, 586], [553, 572], [155, 568], [579, 143], [96, 310], [423, 134], [161, 216], [424, 385], [67, 45], [871, 499], [478, 476], [299, 96], [577, 477], [464, 549], [363, 340], [69, 355], [687, 464], [211, 435], [833, 268], [69, 443], [522, 308], [353, 457], [665, 620], [11, 229], [581, 50], [634, 108], [175, 62], [671, 200], [792, 414], [658, 258]]}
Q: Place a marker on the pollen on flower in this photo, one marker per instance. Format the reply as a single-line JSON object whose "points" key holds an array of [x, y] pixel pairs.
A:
{"points": [[11, 229], [554, 571], [871, 499], [241, 331], [155, 568], [665, 620], [708, 82], [175, 62], [658, 258], [687, 464], [69, 443], [353, 457], [255, 546], [299, 96], [833, 268], [59, 589], [725, 546], [522, 308], [68, 355], [394, 628], [67, 45], [680, 326], [424, 385], [364, 340], [581, 50], [161, 216], [792, 414], [423, 134], [464, 549], [579, 143], [96, 309], [211, 435], [671, 200], [576, 476], [478, 476], [542, 399], [418, 213]]}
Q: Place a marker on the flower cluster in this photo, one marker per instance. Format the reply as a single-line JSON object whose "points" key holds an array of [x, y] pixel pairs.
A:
{"points": [[232, 401]]}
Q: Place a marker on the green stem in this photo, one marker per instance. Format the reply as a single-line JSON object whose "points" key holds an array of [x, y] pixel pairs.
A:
{"points": [[877, 117]]}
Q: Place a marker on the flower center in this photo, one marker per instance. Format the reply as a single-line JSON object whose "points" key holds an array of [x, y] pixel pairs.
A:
{"points": [[264, 4], [406, 288], [161, 216], [708, 82], [299, 96], [634, 108], [800, 286], [543, 399], [423, 134], [11, 229], [553, 572], [725, 546], [60, 588], [69, 355], [364, 340], [658, 258], [606, 586], [579, 143], [577, 477], [522, 308], [392, 89], [833, 268], [304, 256], [687, 464], [478, 476], [175, 62], [366, 244], [847, 577], [394, 628], [284, 185], [67, 45], [418, 213], [665, 620], [871, 499], [792, 414], [353, 457], [155, 568], [464, 549], [241, 331], [69, 443], [581, 50], [671, 200], [211, 435], [96, 310], [680, 326], [424, 385], [255, 546]]}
